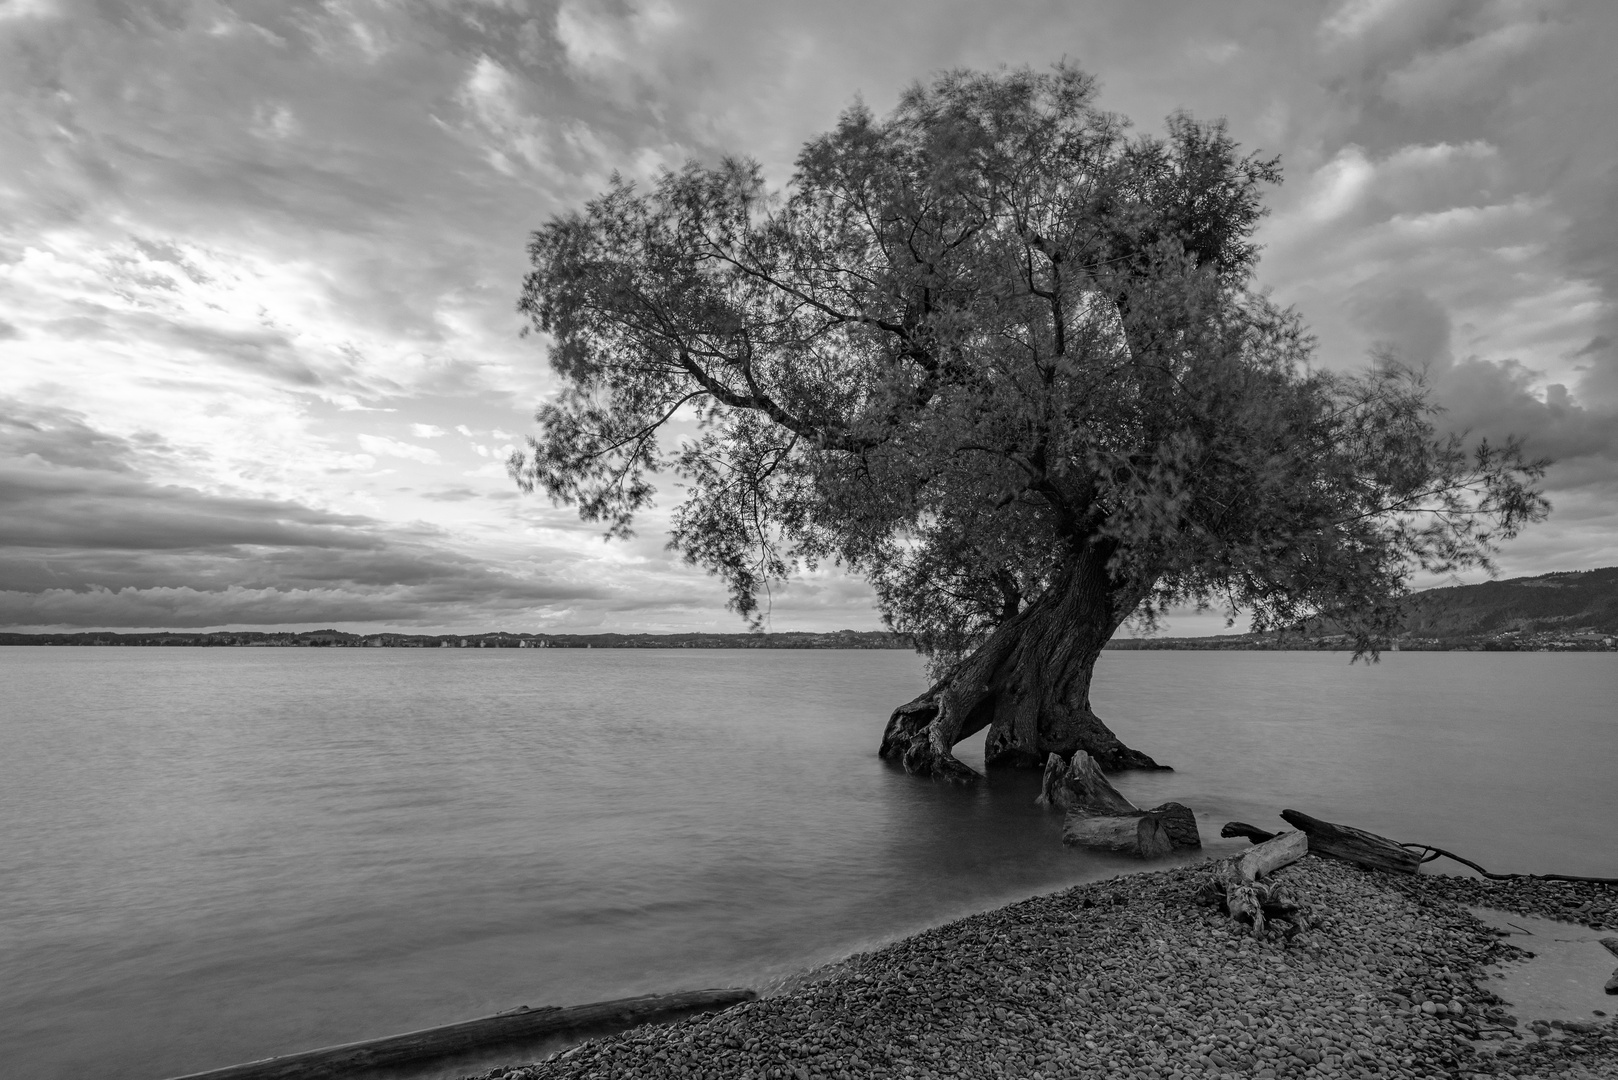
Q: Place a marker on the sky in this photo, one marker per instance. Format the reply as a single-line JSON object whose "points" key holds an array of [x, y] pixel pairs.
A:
{"points": [[260, 363]]}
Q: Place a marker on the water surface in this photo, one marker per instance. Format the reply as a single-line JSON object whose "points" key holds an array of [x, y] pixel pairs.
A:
{"points": [[212, 855]]}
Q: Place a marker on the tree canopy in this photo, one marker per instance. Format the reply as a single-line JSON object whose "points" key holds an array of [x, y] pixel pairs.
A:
{"points": [[976, 343]]}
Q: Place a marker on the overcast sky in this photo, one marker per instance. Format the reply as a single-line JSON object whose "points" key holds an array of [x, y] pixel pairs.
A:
{"points": [[259, 359]]}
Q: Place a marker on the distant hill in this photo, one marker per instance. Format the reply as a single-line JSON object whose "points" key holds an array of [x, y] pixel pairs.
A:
{"points": [[1584, 601], [1568, 611]]}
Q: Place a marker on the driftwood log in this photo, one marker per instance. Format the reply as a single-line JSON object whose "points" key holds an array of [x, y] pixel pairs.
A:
{"points": [[1241, 884], [521, 1026], [1261, 860], [1140, 835], [1099, 816], [1353, 845]]}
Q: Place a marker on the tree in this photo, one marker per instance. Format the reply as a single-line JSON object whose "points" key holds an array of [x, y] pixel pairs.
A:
{"points": [[1005, 360]]}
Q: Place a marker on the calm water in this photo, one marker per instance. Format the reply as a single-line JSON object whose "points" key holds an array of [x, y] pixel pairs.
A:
{"points": [[212, 855]]}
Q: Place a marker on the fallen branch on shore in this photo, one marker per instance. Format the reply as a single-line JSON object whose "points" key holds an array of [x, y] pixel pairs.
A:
{"points": [[1353, 845], [1099, 816], [1338, 842], [1429, 853], [1378, 852], [515, 1028]]}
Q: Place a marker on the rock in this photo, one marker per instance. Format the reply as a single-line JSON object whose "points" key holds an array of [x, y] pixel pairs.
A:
{"points": [[1612, 983]]}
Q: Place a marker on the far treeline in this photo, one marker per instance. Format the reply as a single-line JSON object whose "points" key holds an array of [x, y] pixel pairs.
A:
{"points": [[1576, 611], [838, 639]]}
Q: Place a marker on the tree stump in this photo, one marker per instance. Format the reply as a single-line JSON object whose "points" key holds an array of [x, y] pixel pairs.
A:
{"points": [[1080, 784], [1099, 816]]}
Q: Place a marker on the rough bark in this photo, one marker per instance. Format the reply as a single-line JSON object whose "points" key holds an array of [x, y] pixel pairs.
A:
{"points": [[1079, 785], [1354, 845], [1028, 683]]}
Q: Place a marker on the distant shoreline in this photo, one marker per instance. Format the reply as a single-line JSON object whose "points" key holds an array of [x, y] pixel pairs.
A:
{"points": [[838, 639], [1509, 641]]}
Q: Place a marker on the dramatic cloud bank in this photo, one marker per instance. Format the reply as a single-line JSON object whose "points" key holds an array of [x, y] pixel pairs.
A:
{"points": [[259, 363]]}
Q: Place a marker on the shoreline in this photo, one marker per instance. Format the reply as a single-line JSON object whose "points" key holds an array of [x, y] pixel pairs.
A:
{"points": [[1131, 977]]}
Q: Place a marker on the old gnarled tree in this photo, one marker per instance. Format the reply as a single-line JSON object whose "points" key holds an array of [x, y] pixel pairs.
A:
{"points": [[1004, 359]]}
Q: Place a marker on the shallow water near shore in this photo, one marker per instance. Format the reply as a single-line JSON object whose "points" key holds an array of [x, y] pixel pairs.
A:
{"points": [[1563, 979], [213, 855]]}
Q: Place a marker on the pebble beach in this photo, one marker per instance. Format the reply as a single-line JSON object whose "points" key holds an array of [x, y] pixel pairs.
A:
{"points": [[1133, 977]]}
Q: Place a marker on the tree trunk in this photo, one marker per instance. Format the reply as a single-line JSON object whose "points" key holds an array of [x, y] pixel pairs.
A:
{"points": [[1029, 684]]}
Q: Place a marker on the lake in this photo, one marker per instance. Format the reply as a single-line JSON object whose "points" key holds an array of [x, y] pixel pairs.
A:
{"points": [[214, 855]]}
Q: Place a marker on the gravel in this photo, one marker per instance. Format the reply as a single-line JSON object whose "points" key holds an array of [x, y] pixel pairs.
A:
{"points": [[1131, 978]]}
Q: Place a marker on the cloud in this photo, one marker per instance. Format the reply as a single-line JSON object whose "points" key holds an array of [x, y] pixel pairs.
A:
{"points": [[283, 227], [25, 9], [458, 494], [87, 539], [386, 447]]}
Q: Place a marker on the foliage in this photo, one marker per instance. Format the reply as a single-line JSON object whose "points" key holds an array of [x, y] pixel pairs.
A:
{"points": [[974, 339]]}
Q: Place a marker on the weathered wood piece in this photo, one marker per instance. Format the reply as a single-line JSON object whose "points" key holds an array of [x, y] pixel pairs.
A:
{"points": [[1242, 828], [1138, 834], [1353, 845], [487, 1033], [1180, 822], [1261, 860], [1052, 792], [1247, 896]]}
